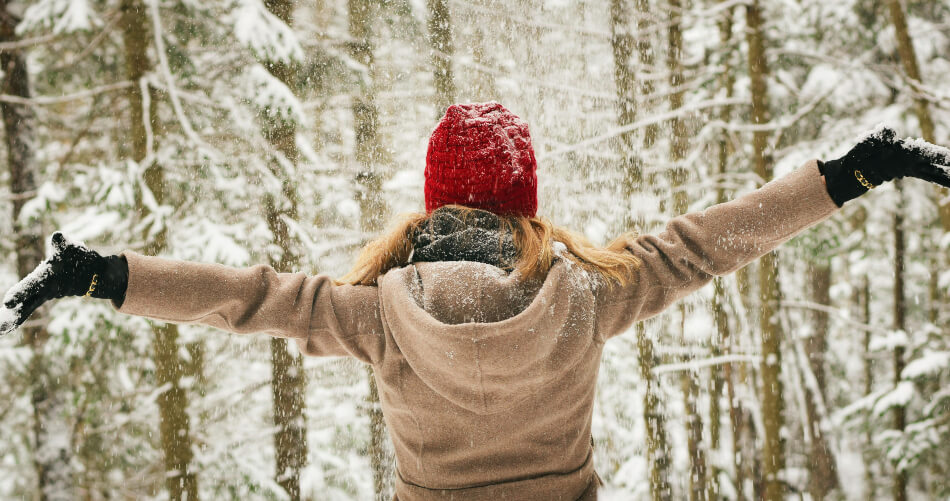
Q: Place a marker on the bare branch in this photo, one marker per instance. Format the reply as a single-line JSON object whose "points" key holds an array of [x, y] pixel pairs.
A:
{"points": [[28, 42], [639, 124], [51, 100]]}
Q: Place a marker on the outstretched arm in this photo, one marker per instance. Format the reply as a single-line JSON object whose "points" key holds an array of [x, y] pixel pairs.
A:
{"points": [[323, 318], [695, 247], [725, 237]]}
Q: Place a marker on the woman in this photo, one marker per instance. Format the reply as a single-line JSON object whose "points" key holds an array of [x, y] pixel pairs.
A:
{"points": [[484, 324]]}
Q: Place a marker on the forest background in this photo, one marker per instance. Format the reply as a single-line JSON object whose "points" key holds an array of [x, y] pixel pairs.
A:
{"points": [[288, 133]]}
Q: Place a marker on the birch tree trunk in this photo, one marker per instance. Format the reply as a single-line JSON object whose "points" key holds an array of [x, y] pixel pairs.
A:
{"points": [[287, 376], [51, 452], [180, 480], [372, 210], [440, 40], [769, 291]]}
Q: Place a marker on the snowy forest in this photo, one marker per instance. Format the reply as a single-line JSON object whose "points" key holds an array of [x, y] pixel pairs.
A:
{"points": [[289, 133]]}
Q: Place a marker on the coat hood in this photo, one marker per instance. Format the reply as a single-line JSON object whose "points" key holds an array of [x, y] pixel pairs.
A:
{"points": [[482, 338]]}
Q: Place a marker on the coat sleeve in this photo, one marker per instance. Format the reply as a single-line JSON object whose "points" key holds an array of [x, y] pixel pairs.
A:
{"points": [[717, 241], [323, 318]]}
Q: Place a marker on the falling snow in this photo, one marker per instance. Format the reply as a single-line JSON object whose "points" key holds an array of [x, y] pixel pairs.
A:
{"points": [[311, 124]]}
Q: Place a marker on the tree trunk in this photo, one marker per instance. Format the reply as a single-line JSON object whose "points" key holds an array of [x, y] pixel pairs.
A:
{"points": [[678, 148], [180, 480], [823, 476], [868, 387], [679, 143], [623, 44], [287, 376], [722, 376], [51, 454], [908, 56], [861, 298], [658, 449], [440, 39], [769, 291], [905, 47], [372, 209], [645, 50], [290, 440], [482, 85], [900, 312]]}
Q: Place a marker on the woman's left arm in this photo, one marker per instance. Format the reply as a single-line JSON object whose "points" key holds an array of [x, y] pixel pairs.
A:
{"points": [[695, 247], [725, 237]]}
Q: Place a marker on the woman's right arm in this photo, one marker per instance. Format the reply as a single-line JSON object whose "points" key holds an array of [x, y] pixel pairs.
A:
{"points": [[324, 319]]}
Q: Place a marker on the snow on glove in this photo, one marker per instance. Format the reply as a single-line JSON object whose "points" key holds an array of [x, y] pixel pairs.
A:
{"points": [[71, 270], [878, 157]]}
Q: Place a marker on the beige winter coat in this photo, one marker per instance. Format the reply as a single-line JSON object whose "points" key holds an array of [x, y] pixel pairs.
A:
{"points": [[487, 385]]}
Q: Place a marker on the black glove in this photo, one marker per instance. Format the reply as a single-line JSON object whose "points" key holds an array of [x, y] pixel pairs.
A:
{"points": [[71, 270], [881, 157]]}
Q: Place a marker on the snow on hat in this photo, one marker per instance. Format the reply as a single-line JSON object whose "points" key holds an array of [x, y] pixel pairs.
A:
{"points": [[480, 156]]}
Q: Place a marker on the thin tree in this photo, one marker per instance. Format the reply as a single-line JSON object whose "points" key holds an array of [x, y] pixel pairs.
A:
{"points": [[440, 41], [722, 377], [769, 291], [679, 147], [623, 45], [51, 456], [899, 489], [908, 57], [823, 470], [862, 302], [287, 376], [180, 480], [482, 85], [654, 417], [644, 44], [372, 207]]}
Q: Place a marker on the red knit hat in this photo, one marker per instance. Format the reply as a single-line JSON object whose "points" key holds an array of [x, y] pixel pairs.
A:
{"points": [[480, 156]]}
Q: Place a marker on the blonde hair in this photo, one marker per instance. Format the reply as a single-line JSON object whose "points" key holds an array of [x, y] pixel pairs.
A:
{"points": [[534, 240]]}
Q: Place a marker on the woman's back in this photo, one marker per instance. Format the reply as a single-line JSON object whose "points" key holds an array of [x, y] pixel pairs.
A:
{"points": [[500, 406]]}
